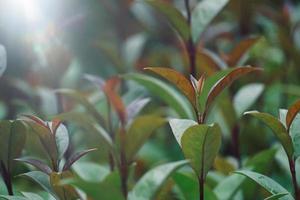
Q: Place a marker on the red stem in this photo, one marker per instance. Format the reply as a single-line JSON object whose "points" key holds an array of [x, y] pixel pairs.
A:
{"points": [[294, 178]]}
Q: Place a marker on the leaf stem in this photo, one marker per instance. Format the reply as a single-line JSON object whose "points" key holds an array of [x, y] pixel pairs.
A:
{"points": [[189, 45], [123, 168], [294, 178], [201, 188]]}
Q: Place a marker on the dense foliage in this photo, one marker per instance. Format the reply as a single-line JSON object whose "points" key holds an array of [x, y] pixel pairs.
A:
{"points": [[151, 99]]}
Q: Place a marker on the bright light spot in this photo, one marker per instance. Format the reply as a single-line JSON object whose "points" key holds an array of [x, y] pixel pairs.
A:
{"points": [[25, 9], [30, 10]]}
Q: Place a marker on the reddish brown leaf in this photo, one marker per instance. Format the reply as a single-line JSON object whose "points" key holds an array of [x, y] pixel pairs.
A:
{"points": [[116, 101], [177, 79], [226, 81], [209, 62], [36, 120], [236, 54], [292, 112], [200, 84], [36, 163]]}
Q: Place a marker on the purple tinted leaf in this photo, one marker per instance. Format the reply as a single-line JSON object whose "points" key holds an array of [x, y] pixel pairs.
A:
{"points": [[76, 157], [135, 107], [94, 79], [36, 163]]}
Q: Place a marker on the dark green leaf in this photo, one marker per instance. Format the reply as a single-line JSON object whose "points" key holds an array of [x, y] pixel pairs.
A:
{"points": [[200, 145], [267, 183]]}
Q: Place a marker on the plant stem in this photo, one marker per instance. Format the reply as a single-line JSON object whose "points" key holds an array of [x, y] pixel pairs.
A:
{"points": [[189, 45], [6, 175], [201, 188], [236, 143], [123, 163], [294, 178]]}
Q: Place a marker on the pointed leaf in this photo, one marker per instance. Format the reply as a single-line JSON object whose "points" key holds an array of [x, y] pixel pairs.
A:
{"points": [[179, 126], [178, 80], [45, 135], [139, 131], [203, 14], [278, 129], [200, 145], [160, 89], [36, 163], [95, 80], [292, 112], [76, 157], [246, 97], [267, 183], [42, 179], [114, 99], [12, 141], [62, 140], [13, 197], [226, 81], [148, 186], [174, 17], [135, 107]]}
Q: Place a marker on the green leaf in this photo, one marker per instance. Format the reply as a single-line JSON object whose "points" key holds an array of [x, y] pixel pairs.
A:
{"points": [[12, 141], [148, 186], [31, 196], [276, 196], [179, 126], [175, 18], [203, 14], [278, 129], [45, 135], [246, 97], [90, 172], [42, 179], [12, 197], [267, 183], [168, 94], [200, 145], [139, 131]]}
